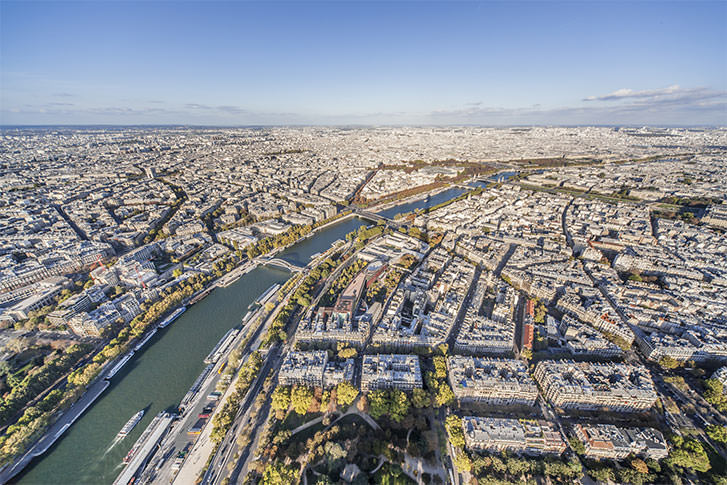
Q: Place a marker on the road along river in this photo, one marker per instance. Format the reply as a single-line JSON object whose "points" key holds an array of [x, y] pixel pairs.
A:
{"points": [[160, 374]]}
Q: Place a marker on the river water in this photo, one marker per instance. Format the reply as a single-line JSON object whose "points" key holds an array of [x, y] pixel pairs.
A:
{"points": [[161, 373], [443, 196], [425, 203]]}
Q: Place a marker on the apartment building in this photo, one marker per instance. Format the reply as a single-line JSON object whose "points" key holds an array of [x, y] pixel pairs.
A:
{"points": [[612, 442], [390, 371], [595, 386], [521, 436], [491, 381]]}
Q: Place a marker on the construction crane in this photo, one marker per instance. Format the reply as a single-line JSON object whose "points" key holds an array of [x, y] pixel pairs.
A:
{"points": [[98, 262]]}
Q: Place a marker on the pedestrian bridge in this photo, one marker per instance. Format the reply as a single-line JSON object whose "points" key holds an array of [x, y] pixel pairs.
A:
{"points": [[281, 263]]}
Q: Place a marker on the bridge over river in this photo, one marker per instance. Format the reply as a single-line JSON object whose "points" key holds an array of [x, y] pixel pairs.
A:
{"points": [[281, 263]]}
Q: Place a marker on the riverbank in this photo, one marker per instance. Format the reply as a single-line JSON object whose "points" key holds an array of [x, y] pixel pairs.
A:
{"points": [[55, 431], [292, 252], [386, 205], [238, 272], [160, 374]]}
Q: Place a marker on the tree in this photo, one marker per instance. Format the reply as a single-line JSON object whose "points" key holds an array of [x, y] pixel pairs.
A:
{"points": [[717, 433], [345, 393], [334, 450], [635, 277], [252, 252], [602, 474], [443, 349], [177, 272], [688, 453], [453, 425], [444, 396], [497, 464], [640, 466], [576, 445], [279, 474], [631, 476], [713, 393], [440, 367], [518, 466], [399, 405], [281, 398], [391, 402], [540, 312], [420, 398], [346, 352], [462, 462], [668, 363], [378, 405], [301, 398], [653, 465]]}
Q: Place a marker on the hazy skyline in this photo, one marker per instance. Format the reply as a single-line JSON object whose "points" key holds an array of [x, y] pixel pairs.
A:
{"points": [[363, 63]]}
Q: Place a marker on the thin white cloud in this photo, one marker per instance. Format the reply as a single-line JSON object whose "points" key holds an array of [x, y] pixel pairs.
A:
{"points": [[670, 105], [673, 105], [630, 93], [695, 109], [671, 96]]}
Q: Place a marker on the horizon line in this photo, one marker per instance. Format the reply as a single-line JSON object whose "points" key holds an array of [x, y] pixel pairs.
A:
{"points": [[364, 125]]}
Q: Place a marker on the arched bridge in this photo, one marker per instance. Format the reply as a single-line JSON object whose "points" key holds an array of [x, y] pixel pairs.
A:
{"points": [[282, 264]]}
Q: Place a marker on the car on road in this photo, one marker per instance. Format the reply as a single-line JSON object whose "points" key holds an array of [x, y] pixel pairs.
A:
{"points": [[206, 411], [180, 457], [196, 428]]}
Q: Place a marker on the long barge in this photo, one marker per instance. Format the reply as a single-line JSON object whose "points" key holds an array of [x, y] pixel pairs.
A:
{"points": [[246, 318], [172, 317], [201, 295], [144, 448], [146, 339], [196, 386], [267, 295], [119, 365], [222, 346]]}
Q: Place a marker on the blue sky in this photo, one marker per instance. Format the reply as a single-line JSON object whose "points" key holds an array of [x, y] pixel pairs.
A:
{"points": [[239, 63]]}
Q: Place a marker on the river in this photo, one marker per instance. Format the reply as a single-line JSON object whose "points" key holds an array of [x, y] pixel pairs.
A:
{"points": [[424, 203], [443, 196], [159, 375]]}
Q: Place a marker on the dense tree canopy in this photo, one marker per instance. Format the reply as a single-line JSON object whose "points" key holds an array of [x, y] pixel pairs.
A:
{"points": [[714, 394], [453, 425], [345, 393], [717, 433], [301, 398], [688, 453], [281, 398], [420, 398], [279, 474], [391, 402]]}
